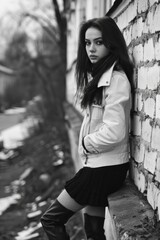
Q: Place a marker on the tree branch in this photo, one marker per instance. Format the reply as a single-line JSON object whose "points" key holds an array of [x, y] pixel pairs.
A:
{"points": [[57, 13], [45, 24]]}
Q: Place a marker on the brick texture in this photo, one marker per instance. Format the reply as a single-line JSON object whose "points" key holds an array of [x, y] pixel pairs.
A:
{"points": [[140, 25]]}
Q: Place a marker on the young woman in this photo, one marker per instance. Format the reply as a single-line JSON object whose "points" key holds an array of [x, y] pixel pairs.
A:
{"points": [[104, 80]]}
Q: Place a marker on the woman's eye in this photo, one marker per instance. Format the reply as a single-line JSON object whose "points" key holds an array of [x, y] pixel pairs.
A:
{"points": [[87, 43], [99, 42]]}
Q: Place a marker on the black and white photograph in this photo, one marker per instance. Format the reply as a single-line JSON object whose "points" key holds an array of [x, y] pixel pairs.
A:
{"points": [[80, 120]]}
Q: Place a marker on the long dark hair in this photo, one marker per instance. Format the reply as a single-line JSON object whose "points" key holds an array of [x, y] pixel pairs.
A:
{"points": [[112, 39]]}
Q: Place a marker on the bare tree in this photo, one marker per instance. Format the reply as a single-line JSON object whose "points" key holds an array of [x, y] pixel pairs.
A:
{"points": [[49, 62]]}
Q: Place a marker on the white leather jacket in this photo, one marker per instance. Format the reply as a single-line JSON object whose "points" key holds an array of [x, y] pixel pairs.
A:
{"points": [[105, 128]]}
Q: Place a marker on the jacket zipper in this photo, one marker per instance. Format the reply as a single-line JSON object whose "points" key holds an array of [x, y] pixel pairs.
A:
{"points": [[86, 159], [88, 130]]}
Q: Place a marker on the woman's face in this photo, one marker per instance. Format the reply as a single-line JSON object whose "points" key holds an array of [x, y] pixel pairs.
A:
{"points": [[95, 48]]}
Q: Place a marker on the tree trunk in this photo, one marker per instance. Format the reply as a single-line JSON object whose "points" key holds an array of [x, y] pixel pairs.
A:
{"points": [[62, 25]]}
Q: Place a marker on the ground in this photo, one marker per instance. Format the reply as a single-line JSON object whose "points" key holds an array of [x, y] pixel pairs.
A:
{"points": [[38, 174]]}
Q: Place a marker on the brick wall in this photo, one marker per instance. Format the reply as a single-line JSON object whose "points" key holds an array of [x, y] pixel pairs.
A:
{"points": [[140, 23]]}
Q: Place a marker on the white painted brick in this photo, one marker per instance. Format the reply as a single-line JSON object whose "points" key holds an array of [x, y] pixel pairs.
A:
{"points": [[146, 130], [156, 19], [132, 11], [137, 28], [157, 49], [127, 16], [157, 190], [158, 204], [142, 78], [150, 161], [139, 153], [157, 172], [136, 125], [140, 26], [122, 21], [149, 50], [158, 106], [128, 35], [153, 76], [155, 142], [151, 2], [134, 31], [152, 194], [141, 182], [152, 21], [148, 25], [139, 179], [135, 152], [149, 107], [140, 102], [142, 6], [138, 54]]}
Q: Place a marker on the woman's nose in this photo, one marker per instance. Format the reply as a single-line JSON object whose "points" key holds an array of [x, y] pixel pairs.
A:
{"points": [[92, 47]]}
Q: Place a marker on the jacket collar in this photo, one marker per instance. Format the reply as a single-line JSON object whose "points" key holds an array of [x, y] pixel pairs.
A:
{"points": [[105, 79]]}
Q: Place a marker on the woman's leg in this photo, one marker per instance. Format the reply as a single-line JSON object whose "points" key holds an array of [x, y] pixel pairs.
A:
{"points": [[65, 199], [55, 218], [93, 222]]}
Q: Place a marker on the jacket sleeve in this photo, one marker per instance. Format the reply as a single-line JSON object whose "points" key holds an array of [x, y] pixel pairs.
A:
{"points": [[115, 117]]}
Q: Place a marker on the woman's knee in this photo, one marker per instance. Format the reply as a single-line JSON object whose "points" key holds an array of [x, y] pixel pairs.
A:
{"points": [[67, 201], [61, 210], [56, 214]]}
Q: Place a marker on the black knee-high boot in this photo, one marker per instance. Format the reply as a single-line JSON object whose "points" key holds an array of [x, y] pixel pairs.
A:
{"points": [[94, 227], [53, 221]]}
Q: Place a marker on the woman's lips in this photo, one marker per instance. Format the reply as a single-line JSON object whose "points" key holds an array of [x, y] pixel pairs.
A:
{"points": [[93, 57]]}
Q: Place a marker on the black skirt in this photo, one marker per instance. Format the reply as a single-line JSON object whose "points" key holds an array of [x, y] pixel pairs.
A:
{"points": [[91, 186]]}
